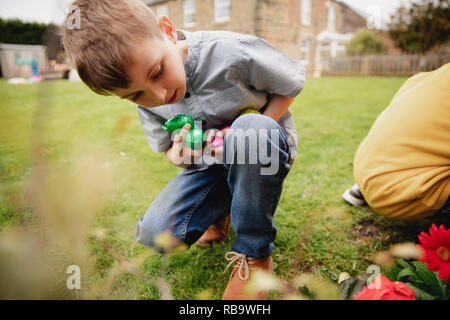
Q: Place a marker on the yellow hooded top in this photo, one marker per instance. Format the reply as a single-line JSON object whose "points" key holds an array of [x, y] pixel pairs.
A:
{"points": [[403, 165]]}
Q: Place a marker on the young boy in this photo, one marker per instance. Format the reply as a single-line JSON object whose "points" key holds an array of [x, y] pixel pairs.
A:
{"points": [[402, 167], [122, 49]]}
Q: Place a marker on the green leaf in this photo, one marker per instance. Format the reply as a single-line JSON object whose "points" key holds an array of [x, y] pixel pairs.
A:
{"points": [[406, 272], [420, 294], [392, 272], [403, 263], [305, 291], [446, 287], [430, 278]]}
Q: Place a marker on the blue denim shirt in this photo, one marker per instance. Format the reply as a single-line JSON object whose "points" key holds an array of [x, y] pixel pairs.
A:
{"points": [[226, 73]]}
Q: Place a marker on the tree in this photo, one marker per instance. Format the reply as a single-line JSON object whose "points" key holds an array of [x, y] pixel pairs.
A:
{"points": [[365, 42], [421, 26], [16, 31], [19, 32]]}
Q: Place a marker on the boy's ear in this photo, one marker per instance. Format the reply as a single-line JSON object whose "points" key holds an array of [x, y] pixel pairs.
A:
{"points": [[167, 27]]}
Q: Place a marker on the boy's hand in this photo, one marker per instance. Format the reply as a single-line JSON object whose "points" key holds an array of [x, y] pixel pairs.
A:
{"points": [[225, 131], [182, 156], [218, 152], [177, 153]]}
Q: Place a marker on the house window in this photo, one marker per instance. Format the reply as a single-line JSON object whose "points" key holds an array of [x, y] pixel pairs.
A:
{"points": [[305, 51], [331, 18], [221, 10], [306, 12], [162, 10], [189, 13]]}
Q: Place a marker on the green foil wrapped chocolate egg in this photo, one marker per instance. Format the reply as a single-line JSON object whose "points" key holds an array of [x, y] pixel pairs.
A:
{"points": [[195, 138], [178, 122]]}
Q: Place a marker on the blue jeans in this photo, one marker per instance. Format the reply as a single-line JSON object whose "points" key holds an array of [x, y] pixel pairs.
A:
{"points": [[190, 203]]}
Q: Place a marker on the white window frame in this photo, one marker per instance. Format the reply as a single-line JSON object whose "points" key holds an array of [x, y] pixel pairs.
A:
{"points": [[306, 12], [219, 5], [189, 13], [162, 10], [305, 51], [331, 18]]}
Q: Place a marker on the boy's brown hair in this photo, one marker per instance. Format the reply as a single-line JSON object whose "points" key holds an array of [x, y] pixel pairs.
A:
{"points": [[99, 46]]}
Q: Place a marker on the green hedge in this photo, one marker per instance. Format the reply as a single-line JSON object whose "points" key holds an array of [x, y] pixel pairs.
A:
{"points": [[16, 31]]}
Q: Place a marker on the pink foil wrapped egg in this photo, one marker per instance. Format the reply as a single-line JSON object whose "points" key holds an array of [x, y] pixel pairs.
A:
{"points": [[218, 141]]}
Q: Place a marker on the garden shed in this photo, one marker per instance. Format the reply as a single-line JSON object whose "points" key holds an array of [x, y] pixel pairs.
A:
{"points": [[17, 60]]}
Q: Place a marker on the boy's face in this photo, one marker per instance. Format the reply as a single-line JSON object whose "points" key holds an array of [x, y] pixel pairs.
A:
{"points": [[157, 74]]}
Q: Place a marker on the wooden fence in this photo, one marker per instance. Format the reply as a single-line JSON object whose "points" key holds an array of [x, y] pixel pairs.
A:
{"points": [[383, 65]]}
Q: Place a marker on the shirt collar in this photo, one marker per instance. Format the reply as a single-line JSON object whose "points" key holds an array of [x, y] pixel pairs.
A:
{"points": [[193, 50]]}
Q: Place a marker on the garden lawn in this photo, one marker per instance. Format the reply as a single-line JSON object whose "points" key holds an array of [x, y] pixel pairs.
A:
{"points": [[318, 232]]}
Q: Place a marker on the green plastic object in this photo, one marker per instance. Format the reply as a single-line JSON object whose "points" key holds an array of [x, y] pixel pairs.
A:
{"points": [[195, 138]]}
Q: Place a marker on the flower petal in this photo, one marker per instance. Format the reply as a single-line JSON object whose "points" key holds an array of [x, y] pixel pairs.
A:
{"points": [[444, 271]]}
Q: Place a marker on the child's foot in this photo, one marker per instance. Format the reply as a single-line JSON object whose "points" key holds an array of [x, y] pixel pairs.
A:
{"points": [[243, 268], [354, 196], [215, 233]]}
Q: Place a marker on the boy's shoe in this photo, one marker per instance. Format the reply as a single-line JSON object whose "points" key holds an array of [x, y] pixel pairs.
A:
{"points": [[243, 268], [354, 196], [215, 233]]}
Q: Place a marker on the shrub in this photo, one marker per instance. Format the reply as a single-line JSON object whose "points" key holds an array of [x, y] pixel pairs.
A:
{"points": [[366, 42]]}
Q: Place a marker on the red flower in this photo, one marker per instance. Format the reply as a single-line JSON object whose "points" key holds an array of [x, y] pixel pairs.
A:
{"points": [[436, 250], [382, 288]]}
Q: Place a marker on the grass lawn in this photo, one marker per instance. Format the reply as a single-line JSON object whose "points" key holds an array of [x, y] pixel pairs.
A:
{"points": [[58, 123]]}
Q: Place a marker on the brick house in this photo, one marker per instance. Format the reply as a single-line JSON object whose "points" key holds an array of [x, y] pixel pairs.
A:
{"points": [[307, 30]]}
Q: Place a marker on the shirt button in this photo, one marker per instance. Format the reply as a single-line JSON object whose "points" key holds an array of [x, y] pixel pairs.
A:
{"points": [[187, 95]]}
